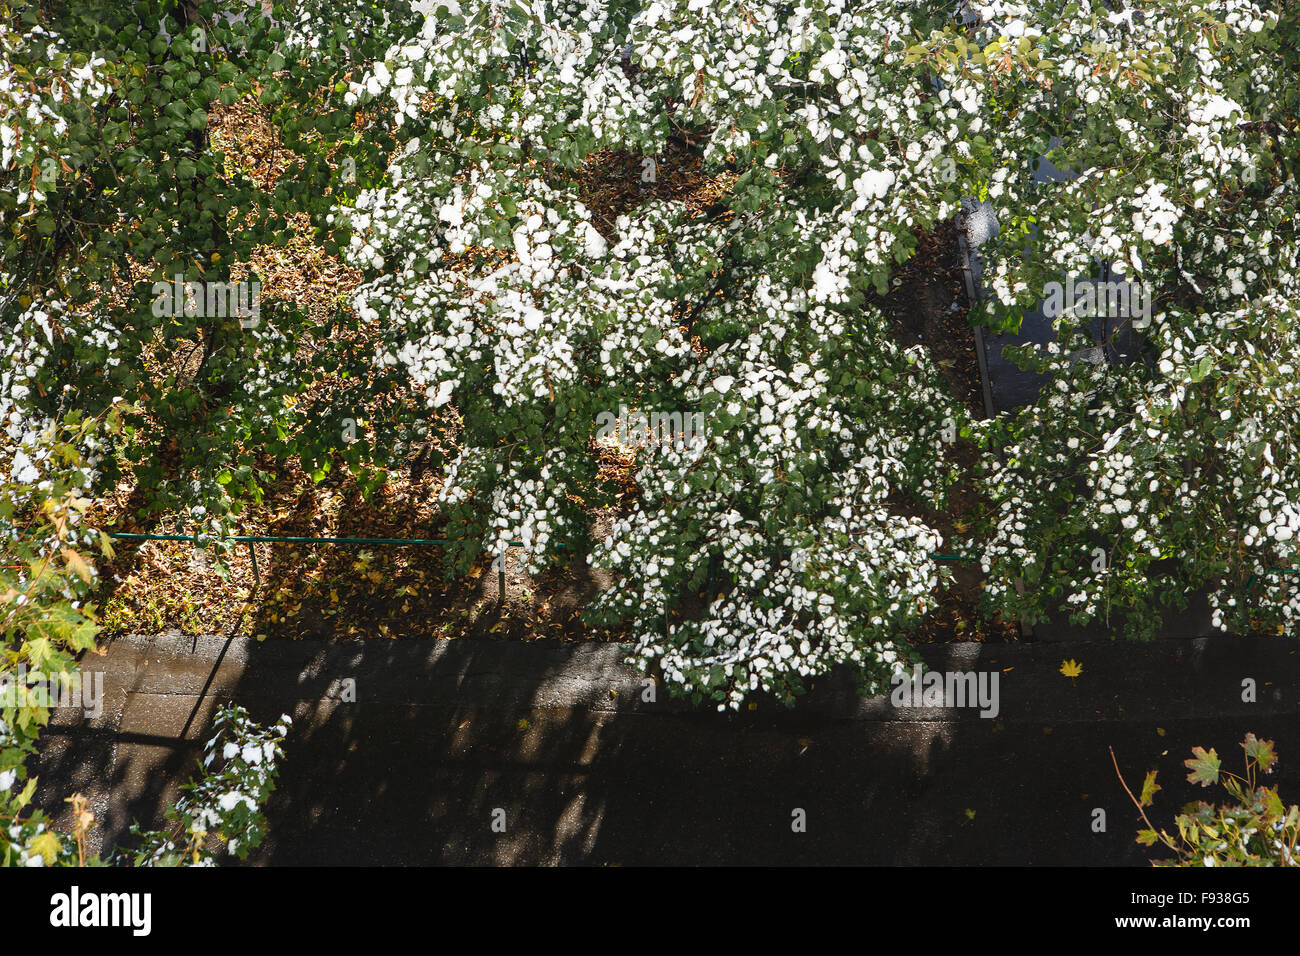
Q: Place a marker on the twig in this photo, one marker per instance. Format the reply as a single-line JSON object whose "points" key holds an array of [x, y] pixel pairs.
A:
{"points": [[1160, 833]]}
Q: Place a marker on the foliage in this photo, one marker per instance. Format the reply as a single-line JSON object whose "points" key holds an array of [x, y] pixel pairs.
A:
{"points": [[114, 195], [1255, 829], [44, 582], [45, 624], [446, 153], [752, 312], [843, 130], [237, 775], [1131, 486]]}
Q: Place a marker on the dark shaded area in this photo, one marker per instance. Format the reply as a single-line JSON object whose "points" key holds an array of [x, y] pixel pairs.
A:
{"points": [[558, 738], [928, 305], [1114, 339]]}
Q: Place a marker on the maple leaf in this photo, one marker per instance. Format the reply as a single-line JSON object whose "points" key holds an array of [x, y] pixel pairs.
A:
{"points": [[1071, 668], [1149, 788], [1204, 767], [1260, 751], [1146, 837], [46, 846], [77, 564]]}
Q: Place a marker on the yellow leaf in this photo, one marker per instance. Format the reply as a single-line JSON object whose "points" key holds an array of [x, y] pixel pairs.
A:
{"points": [[77, 564], [1071, 668], [1149, 789], [46, 846]]}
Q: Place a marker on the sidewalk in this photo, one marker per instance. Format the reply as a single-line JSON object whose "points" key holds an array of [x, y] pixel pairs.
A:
{"points": [[442, 734]]}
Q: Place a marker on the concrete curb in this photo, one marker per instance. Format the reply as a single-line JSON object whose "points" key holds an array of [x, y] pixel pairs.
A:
{"points": [[1200, 677]]}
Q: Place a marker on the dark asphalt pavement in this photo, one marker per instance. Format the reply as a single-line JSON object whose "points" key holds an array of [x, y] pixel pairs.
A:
{"points": [[553, 741]]}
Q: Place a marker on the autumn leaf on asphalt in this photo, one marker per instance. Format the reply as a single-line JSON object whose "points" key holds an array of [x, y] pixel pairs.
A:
{"points": [[1204, 767], [1149, 788], [970, 814], [1071, 668]]}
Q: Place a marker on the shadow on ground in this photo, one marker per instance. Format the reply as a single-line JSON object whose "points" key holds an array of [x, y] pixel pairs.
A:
{"points": [[410, 752]]}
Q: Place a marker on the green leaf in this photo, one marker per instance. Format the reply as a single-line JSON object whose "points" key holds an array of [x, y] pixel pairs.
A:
{"points": [[1260, 751], [1149, 788], [1204, 767]]}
